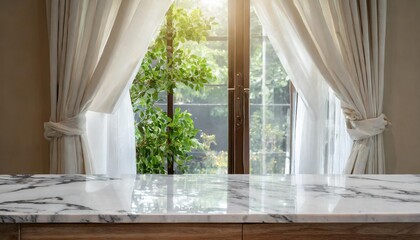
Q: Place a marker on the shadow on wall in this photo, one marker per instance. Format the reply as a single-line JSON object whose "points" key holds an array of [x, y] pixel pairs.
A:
{"points": [[402, 87], [24, 86]]}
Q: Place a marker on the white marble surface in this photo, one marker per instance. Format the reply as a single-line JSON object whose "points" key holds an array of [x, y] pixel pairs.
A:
{"points": [[209, 198]]}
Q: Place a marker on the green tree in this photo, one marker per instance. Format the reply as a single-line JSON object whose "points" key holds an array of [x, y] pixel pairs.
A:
{"points": [[166, 66]]}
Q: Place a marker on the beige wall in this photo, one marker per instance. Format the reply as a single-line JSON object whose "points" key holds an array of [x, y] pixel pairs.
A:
{"points": [[24, 86], [402, 86]]}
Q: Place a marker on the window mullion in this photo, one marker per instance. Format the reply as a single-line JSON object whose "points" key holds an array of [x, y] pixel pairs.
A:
{"points": [[292, 129], [170, 95]]}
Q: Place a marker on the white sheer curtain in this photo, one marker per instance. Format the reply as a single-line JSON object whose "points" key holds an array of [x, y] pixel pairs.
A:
{"points": [[345, 42], [95, 51], [339, 143], [313, 122], [111, 139], [310, 137]]}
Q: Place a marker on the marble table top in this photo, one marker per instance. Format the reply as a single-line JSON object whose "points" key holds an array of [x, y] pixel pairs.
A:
{"points": [[209, 198]]}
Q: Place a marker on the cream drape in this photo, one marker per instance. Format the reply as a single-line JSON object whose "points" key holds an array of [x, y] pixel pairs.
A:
{"points": [[345, 42], [95, 49], [316, 138]]}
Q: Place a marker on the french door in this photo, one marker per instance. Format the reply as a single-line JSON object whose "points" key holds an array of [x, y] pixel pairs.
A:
{"points": [[244, 114]]}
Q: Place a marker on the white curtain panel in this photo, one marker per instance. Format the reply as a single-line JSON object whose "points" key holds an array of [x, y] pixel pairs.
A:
{"points": [[339, 143], [310, 135], [111, 139], [345, 41], [96, 47], [313, 123], [322, 145]]}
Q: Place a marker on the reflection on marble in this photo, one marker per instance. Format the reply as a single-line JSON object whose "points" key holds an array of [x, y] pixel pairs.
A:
{"points": [[209, 198]]}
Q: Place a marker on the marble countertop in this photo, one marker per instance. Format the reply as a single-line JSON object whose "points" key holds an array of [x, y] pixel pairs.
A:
{"points": [[209, 198]]}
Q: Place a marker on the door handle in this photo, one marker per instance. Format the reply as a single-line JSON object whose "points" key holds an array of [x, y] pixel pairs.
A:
{"points": [[239, 99]]}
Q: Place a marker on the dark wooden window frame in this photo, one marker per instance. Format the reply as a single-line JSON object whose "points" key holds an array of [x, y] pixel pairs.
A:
{"points": [[238, 86]]}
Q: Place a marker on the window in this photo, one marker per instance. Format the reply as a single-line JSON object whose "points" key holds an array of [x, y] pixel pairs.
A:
{"points": [[212, 66]]}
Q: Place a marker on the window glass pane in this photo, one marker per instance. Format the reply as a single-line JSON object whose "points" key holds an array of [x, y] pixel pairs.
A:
{"points": [[209, 106], [269, 106]]}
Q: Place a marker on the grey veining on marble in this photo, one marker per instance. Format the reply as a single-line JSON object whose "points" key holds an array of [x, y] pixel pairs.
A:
{"points": [[209, 198]]}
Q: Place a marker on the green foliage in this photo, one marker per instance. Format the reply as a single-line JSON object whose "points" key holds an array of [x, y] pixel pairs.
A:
{"points": [[165, 68], [211, 162], [151, 140], [183, 141]]}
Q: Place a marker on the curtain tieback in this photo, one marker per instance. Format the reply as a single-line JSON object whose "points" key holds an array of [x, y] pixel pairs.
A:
{"points": [[362, 129], [73, 126]]}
